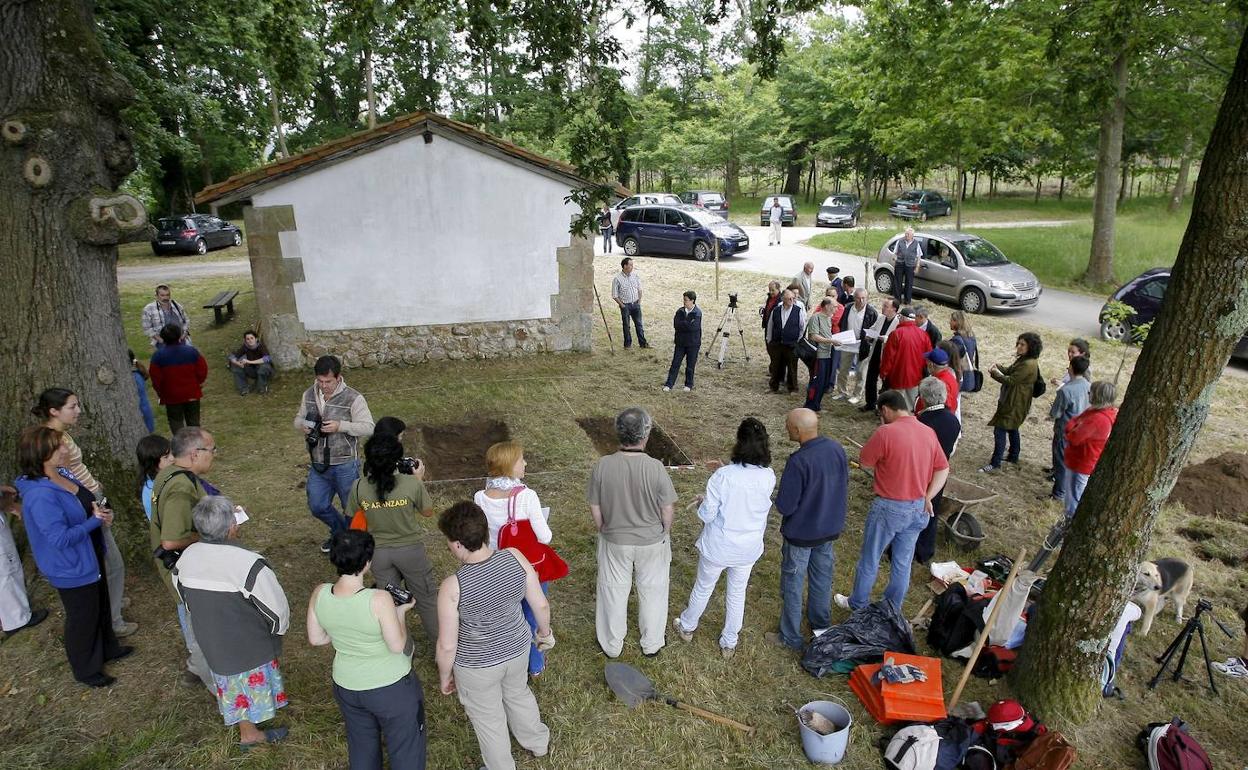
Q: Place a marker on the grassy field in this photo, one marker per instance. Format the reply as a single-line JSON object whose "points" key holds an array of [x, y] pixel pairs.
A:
{"points": [[132, 254], [1145, 238], [148, 720]]}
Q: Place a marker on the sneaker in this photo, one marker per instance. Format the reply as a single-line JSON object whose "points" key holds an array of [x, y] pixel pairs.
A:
{"points": [[36, 617], [727, 652], [99, 680], [688, 389], [654, 654], [990, 468], [325, 547], [122, 652], [855, 400], [842, 601], [667, 388], [125, 629], [838, 396], [680, 630], [645, 346], [773, 638], [190, 679]]}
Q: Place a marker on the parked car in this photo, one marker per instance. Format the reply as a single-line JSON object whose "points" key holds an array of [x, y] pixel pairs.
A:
{"points": [[681, 229], [707, 199], [642, 199], [920, 205], [786, 204], [965, 269], [1144, 293], [840, 210], [194, 234]]}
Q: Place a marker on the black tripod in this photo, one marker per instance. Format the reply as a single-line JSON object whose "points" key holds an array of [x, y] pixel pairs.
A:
{"points": [[724, 332], [1194, 626]]}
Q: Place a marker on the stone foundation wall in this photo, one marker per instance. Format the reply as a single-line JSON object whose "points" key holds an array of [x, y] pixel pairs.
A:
{"points": [[293, 346]]}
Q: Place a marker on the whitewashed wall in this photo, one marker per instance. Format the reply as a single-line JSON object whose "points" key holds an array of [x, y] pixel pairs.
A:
{"points": [[414, 233]]}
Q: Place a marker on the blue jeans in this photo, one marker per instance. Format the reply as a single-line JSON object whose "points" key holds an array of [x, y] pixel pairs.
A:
{"points": [[690, 356], [632, 310], [1059, 467], [336, 480], [812, 566], [1073, 493], [999, 435], [820, 381], [145, 406], [889, 522], [537, 658], [606, 239], [904, 277]]}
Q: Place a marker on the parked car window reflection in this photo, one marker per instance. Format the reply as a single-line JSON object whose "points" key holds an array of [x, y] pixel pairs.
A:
{"points": [[977, 252]]}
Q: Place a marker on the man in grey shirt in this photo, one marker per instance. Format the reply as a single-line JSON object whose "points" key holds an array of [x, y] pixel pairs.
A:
{"points": [[626, 291], [906, 254], [632, 501]]}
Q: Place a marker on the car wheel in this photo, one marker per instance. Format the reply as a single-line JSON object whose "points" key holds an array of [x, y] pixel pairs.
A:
{"points": [[200, 246], [923, 216], [948, 209], [158, 251], [884, 282], [972, 300], [853, 222], [701, 251], [630, 246], [762, 223], [1115, 331], [238, 239]]}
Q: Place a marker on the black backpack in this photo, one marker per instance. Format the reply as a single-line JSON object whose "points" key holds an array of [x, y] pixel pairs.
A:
{"points": [[956, 620]]}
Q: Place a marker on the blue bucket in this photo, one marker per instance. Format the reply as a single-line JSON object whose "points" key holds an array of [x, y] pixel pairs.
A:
{"points": [[826, 749]]}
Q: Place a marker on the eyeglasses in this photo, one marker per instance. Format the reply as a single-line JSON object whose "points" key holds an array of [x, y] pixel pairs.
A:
{"points": [[211, 449]]}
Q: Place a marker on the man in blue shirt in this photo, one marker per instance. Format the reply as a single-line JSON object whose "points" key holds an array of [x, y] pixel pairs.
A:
{"points": [[813, 495]]}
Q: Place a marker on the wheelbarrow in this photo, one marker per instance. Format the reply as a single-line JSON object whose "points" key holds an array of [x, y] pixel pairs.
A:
{"points": [[961, 528]]}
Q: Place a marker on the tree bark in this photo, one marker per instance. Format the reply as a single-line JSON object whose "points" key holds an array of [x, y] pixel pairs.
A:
{"points": [[1039, 182], [793, 170], [1108, 158], [368, 84], [1058, 671], [65, 152], [1180, 184], [277, 120], [961, 194]]}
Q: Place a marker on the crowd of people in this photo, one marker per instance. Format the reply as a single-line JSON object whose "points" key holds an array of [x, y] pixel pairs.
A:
{"points": [[489, 623]]}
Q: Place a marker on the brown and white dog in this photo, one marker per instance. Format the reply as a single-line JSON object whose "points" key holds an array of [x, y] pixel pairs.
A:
{"points": [[1159, 580]]}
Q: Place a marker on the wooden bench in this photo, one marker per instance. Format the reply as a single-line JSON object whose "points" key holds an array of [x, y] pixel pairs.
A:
{"points": [[223, 301]]}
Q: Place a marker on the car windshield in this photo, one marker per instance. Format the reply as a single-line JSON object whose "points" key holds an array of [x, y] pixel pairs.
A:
{"points": [[977, 252], [785, 201], [171, 224], [838, 200], [704, 217], [711, 198], [912, 196]]}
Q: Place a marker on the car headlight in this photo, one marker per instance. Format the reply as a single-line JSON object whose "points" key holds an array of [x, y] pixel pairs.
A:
{"points": [[998, 285]]}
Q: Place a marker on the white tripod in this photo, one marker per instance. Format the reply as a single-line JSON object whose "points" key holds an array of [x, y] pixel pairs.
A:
{"points": [[724, 332]]}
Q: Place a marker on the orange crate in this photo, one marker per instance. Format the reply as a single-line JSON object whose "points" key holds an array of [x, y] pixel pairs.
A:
{"points": [[930, 692]]}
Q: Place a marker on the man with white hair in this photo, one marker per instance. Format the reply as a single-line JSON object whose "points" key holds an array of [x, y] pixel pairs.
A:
{"points": [[632, 502], [802, 282], [857, 316], [906, 254]]}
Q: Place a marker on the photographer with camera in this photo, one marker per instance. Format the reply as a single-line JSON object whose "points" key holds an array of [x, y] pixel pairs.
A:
{"points": [[376, 689], [333, 418], [390, 495], [175, 491]]}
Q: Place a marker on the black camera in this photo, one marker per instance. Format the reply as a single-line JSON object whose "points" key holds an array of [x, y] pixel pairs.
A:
{"points": [[398, 595], [313, 423], [167, 557], [732, 300], [407, 465]]}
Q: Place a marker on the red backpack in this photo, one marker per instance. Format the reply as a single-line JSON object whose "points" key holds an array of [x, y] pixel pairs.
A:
{"points": [[519, 534], [1168, 746]]}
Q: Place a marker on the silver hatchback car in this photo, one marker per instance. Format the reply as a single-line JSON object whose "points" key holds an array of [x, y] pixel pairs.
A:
{"points": [[964, 269]]}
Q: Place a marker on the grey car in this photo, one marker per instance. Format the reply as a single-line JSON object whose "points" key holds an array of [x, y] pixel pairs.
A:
{"points": [[964, 269], [840, 210]]}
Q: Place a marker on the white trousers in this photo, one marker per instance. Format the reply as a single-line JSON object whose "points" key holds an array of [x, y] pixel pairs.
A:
{"points": [[14, 606], [734, 600], [115, 572], [497, 699], [774, 236], [619, 567]]}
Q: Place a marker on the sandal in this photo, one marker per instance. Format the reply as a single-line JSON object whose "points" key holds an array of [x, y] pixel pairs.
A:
{"points": [[275, 735]]}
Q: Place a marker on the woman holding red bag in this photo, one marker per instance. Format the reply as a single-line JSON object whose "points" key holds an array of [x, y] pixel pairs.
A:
{"points": [[515, 515]]}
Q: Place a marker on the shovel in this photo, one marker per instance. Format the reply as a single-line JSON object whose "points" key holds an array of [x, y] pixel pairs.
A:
{"points": [[634, 688]]}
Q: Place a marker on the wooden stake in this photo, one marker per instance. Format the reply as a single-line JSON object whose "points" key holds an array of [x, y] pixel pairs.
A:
{"points": [[983, 635]]}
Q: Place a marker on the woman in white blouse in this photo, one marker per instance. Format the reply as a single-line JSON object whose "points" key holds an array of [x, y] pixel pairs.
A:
{"points": [[734, 513], [505, 465]]}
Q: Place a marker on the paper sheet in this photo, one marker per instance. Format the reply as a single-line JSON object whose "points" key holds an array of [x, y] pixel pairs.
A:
{"points": [[845, 338]]}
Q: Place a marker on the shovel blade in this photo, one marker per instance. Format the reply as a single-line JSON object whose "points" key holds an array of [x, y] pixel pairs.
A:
{"points": [[629, 684]]}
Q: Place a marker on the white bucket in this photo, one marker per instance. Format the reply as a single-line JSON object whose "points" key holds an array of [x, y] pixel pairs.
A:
{"points": [[826, 749]]}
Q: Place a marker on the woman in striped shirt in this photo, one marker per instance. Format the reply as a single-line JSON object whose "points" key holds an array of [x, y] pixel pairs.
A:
{"points": [[483, 639]]}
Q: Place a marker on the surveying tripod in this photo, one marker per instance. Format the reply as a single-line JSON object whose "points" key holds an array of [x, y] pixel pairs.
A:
{"points": [[724, 331]]}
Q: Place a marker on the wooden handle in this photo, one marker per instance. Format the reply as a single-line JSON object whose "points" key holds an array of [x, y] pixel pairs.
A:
{"points": [[983, 635], [711, 716]]}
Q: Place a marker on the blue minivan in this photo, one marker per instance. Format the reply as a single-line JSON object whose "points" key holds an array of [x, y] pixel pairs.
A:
{"points": [[680, 229]]}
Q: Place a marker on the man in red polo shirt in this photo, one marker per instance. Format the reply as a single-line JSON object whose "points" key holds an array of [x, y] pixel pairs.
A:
{"points": [[902, 365], [910, 468]]}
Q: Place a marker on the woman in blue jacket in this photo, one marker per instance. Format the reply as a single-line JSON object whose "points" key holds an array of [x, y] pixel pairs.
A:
{"points": [[688, 339], [63, 522]]}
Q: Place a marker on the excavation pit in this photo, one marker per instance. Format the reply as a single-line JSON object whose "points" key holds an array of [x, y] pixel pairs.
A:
{"points": [[601, 431]]}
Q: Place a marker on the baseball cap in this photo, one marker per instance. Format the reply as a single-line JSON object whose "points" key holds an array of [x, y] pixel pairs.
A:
{"points": [[937, 356]]}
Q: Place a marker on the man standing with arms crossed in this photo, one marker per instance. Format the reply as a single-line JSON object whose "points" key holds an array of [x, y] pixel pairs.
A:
{"points": [[626, 291], [906, 253], [333, 419]]}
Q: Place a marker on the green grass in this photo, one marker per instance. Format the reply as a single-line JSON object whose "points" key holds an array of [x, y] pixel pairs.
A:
{"points": [[1057, 255], [147, 720], [133, 254]]}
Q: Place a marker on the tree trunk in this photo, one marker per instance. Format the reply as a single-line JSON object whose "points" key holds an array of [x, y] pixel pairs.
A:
{"points": [[866, 185], [1061, 185], [368, 85], [1180, 184], [1039, 182], [960, 197], [1108, 157], [975, 184], [1058, 671], [65, 152], [793, 171], [1123, 184], [275, 101], [732, 174]]}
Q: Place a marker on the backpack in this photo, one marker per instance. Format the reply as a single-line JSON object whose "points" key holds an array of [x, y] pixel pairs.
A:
{"points": [[994, 662], [1049, 751], [1168, 746], [956, 737], [913, 748], [956, 620]]}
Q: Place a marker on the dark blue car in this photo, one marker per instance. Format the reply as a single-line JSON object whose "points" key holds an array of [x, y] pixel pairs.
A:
{"points": [[1144, 293], [680, 229]]}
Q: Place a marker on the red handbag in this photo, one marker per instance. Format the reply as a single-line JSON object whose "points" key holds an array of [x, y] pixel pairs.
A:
{"points": [[519, 535]]}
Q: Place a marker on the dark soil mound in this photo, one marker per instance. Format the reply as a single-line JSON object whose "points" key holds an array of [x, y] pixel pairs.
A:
{"points": [[1216, 487], [601, 431]]}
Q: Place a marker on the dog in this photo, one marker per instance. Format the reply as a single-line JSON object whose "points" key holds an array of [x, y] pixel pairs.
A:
{"points": [[1159, 580]]}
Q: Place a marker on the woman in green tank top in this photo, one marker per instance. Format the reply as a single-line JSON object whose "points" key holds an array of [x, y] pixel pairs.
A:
{"points": [[376, 689]]}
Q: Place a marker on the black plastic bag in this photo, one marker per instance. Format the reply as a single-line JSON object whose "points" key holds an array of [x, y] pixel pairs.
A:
{"points": [[863, 638]]}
